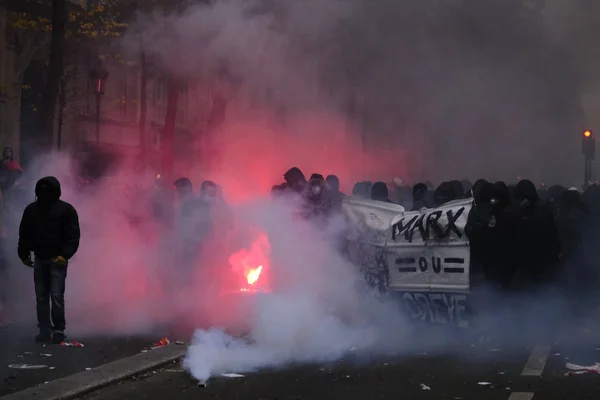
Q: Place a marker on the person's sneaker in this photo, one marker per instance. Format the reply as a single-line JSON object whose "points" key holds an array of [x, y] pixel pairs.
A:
{"points": [[58, 337], [43, 337]]}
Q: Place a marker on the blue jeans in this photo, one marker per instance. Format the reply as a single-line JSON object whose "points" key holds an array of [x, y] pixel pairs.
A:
{"points": [[49, 282]]}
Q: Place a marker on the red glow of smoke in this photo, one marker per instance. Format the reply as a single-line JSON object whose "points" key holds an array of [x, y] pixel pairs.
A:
{"points": [[250, 155], [123, 278]]}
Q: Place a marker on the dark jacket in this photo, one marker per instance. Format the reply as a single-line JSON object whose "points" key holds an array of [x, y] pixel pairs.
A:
{"points": [[49, 226]]}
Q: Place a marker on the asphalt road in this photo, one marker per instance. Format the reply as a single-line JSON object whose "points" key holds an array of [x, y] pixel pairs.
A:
{"points": [[461, 371], [18, 347]]}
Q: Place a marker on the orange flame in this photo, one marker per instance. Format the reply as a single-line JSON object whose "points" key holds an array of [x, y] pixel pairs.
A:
{"points": [[253, 275], [250, 264]]}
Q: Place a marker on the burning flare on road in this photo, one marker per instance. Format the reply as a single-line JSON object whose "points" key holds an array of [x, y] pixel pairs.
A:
{"points": [[253, 275], [250, 263]]}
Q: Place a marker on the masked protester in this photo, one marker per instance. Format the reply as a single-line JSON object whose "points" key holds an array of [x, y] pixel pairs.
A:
{"points": [[50, 229], [315, 198], [419, 197]]}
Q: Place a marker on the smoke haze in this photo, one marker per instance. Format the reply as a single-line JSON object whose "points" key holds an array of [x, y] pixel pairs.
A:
{"points": [[459, 89]]}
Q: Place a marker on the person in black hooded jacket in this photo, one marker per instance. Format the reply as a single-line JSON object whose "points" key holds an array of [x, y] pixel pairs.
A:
{"points": [[50, 229], [379, 192], [536, 235]]}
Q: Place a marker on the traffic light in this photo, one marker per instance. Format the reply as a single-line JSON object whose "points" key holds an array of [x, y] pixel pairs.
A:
{"points": [[589, 145]]}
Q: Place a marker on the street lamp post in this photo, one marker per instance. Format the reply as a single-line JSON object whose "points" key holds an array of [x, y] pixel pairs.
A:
{"points": [[98, 76], [589, 152]]}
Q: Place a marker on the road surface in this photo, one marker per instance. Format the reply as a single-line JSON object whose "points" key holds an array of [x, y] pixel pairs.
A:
{"points": [[18, 347], [461, 371]]}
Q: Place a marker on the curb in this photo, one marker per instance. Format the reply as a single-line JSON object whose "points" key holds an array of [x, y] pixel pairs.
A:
{"points": [[82, 383]]}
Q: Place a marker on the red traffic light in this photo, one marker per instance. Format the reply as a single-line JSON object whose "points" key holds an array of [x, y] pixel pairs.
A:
{"points": [[587, 133]]}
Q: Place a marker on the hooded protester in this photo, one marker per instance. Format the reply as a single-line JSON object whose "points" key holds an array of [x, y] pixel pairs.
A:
{"points": [[316, 204], [479, 183], [295, 179], [50, 229], [478, 230], [379, 192], [443, 194], [467, 187], [276, 191], [419, 197], [334, 195], [458, 191], [536, 234], [185, 193], [188, 213], [501, 197], [571, 214], [362, 190]]}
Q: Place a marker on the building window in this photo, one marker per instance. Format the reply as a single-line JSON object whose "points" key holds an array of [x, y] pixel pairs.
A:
{"points": [[159, 100], [129, 94]]}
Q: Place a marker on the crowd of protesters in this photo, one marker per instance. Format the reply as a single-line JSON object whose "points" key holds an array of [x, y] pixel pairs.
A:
{"points": [[519, 234], [515, 231]]}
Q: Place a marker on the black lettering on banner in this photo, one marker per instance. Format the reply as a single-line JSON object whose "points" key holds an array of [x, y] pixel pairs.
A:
{"points": [[436, 264], [432, 222], [425, 223], [418, 225], [423, 301], [437, 267], [399, 228], [406, 261], [454, 270], [438, 308], [452, 218], [422, 264]]}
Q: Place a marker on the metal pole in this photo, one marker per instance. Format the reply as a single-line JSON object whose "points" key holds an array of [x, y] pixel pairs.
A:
{"points": [[587, 172], [98, 118]]}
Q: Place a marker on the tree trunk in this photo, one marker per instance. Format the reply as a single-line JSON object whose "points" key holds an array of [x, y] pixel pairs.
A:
{"points": [[54, 72], [169, 128], [62, 104], [143, 111]]}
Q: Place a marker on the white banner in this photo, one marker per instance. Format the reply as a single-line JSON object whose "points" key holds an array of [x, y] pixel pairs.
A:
{"points": [[423, 251]]}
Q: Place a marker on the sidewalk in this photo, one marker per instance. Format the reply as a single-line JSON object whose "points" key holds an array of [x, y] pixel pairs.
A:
{"points": [[50, 362]]}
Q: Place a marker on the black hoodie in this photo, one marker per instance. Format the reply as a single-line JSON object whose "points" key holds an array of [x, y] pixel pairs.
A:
{"points": [[49, 226]]}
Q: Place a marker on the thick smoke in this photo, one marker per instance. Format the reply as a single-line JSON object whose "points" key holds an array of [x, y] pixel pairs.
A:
{"points": [[458, 89], [363, 89]]}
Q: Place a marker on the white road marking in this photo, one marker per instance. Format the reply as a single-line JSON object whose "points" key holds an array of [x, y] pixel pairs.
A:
{"points": [[537, 361], [521, 396]]}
